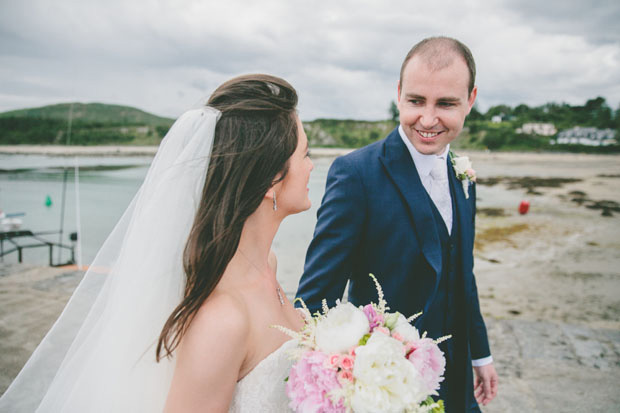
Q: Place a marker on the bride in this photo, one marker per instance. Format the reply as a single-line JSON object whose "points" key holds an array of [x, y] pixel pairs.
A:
{"points": [[175, 312]]}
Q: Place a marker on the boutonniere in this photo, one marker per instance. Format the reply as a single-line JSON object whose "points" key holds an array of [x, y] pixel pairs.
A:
{"points": [[464, 172]]}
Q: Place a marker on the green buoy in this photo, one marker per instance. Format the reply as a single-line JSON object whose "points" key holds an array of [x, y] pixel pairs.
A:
{"points": [[48, 201]]}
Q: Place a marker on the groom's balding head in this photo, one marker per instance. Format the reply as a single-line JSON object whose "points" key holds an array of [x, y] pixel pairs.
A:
{"points": [[439, 53]]}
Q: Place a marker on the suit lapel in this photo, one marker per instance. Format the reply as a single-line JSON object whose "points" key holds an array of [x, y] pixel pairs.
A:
{"points": [[465, 219], [400, 168]]}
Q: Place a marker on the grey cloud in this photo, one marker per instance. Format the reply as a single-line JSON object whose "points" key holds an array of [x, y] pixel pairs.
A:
{"points": [[343, 57], [597, 21]]}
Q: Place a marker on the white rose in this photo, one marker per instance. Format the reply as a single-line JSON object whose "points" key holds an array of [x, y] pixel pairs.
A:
{"points": [[384, 379], [461, 164], [405, 329], [341, 329]]}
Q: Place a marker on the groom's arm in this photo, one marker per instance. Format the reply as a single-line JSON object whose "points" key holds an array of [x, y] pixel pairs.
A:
{"points": [[486, 379], [340, 219], [479, 341]]}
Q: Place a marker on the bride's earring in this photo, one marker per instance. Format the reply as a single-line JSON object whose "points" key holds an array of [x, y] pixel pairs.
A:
{"points": [[275, 204]]}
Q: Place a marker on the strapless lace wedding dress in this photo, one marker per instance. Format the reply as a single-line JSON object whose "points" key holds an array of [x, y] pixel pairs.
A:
{"points": [[263, 389]]}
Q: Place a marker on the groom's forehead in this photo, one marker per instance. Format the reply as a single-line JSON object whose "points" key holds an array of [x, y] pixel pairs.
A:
{"points": [[422, 78]]}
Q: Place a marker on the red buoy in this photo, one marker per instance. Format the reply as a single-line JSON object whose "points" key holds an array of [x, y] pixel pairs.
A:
{"points": [[524, 206]]}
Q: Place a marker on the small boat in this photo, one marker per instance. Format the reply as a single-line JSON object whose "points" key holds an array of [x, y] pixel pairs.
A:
{"points": [[10, 222]]}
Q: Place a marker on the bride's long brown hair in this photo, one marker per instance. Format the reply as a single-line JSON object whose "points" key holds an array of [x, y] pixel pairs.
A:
{"points": [[254, 139]]}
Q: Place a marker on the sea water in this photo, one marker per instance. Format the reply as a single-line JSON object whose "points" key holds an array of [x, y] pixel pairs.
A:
{"points": [[106, 187]]}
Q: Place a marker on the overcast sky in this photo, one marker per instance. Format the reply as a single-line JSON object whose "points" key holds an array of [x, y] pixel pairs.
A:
{"points": [[342, 56]]}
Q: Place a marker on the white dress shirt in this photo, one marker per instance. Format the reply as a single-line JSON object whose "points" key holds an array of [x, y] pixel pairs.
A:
{"points": [[424, 165]]}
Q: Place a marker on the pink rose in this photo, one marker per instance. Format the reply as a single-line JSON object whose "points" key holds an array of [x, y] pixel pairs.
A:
{"points": [[428, 359], [345, 376], [346, 362], [471, 174], [309, 383], [334, 360]]}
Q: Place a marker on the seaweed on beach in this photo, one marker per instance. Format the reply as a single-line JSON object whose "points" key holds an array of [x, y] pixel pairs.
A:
{"points": [[529, 183], [497, 234], [491, 212], [607, 207]]}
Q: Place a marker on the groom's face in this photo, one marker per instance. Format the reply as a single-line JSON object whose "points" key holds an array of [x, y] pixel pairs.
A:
{"points": [[433, 103]]}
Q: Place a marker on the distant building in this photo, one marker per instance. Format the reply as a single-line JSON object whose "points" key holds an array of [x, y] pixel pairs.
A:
{"points": [[586, 136], [542, 129], [496, 119]]}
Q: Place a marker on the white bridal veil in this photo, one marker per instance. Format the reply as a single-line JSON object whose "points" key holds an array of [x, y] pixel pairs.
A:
{"points": [[100, 354]]}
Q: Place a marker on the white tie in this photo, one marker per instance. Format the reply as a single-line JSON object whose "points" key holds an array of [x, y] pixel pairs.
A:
{"points": [[440, 191]]}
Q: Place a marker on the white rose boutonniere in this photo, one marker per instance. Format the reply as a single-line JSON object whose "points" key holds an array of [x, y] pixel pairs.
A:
{"points": [[464, 172]]}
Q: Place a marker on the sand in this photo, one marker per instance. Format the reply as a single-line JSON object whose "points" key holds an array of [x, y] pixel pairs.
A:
{"points": [[548, 281]]}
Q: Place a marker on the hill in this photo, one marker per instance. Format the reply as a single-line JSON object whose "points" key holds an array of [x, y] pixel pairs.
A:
{"points": [[92, 124], [91, 113]]}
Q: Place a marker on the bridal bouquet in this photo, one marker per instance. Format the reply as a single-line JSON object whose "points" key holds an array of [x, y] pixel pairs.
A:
{"points": [[363, 359]]}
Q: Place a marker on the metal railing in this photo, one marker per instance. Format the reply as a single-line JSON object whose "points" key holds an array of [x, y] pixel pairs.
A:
{"points": [[36, 241]]}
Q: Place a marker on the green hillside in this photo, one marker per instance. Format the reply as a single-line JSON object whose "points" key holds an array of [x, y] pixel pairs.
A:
{"points": [[497, 129], [91, 113], [346, 133], [92, 124]]}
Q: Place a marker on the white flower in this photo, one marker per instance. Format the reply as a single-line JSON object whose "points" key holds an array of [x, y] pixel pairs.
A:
{"points": [[465, 184], [461, 164], [341, 329], [405, 329], [385, 379]]}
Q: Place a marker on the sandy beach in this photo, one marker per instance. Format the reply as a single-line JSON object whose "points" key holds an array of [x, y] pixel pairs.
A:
{"points": [[548, 281]]}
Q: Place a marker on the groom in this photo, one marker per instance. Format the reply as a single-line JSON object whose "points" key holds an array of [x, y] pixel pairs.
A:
{"points": [[397, 209]]}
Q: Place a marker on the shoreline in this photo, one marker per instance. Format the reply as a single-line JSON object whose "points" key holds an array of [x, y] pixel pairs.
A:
{"points": [[151, 150], [120, 150]]}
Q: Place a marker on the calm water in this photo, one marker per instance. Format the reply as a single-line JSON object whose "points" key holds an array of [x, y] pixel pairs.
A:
{"points": [[106, 187]]}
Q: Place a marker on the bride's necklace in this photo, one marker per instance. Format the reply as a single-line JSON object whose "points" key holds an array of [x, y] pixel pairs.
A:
{"points": [[278, 289]]}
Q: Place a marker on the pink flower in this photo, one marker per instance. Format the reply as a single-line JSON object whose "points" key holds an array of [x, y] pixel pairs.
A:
{"points": [[428, 359], [346, 362], [345, 375], [334, 360], [309, 383], [383, 330], [374, 319], [397, 336], [471, 174]]}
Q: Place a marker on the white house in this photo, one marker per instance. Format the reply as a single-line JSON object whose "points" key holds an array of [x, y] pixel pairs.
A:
{"points": [[542, 129], [587, 136]]}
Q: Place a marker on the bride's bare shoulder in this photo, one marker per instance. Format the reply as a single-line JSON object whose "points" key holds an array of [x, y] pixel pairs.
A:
{"points": [[223, 313], [210, 355]]}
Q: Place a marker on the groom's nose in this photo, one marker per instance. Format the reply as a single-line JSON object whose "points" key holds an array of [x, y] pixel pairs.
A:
{"points": [[428, 117]]}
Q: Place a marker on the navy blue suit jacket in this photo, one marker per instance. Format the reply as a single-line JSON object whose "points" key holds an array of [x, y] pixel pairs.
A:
{"points": [[375, 217]]}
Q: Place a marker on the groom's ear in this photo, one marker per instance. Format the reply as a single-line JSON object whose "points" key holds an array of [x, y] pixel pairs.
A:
{"points": [[472, 99], [398, 88]]}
